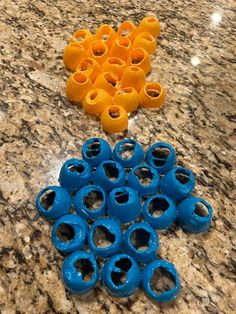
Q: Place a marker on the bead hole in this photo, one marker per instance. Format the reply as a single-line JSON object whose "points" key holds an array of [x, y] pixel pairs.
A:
{"points": [[86, 65], [127, 150], [182, 176], [147, 36], [140, 239], [102, 237], [201, 210], [47, 199], [114, 112], [124, 42], [122, 197], [105, 33], [137, 56], [115, 61], [144, 175], [158, 206], [80, 36], [80, 78], [151, 19], [111, 80], [162, 280], [93, 149], [153, 90], [85, 267], [111, 171], [160, 154], [93, 200], [93, 95], [65, 232], [125, 90], [98, 49], [76, 168], [125, 29], [119, 278]]}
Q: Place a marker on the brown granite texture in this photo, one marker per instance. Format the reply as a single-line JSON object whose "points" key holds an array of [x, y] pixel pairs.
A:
{"points": [[39, 129]]}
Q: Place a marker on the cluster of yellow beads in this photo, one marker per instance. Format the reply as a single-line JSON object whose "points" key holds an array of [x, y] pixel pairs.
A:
{"points": [[110, 71]]}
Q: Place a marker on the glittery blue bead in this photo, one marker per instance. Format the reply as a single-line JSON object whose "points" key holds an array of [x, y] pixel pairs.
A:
{"points": [[127, 146], [109, 175], [166, 268], [121, 275], [145, 179], [178, 183], [69, 233], [161, 156], [75, 174], [80, 272], [124, 204], [86, 197], [96, 150], [109, 229], [53, 202], [141, 242], [194, 214], [165, 208]]}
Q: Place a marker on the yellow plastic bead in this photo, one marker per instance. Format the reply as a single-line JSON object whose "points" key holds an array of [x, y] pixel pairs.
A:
{"points": [[133, 76], [96, 101], [84, 37], [115, 65], [121, 48], [151, 25], [89, 67], [106, 33], [127, 98], [127, 29], [114, 119], [145, 41], [98, 50], [152, 95], [139, 57], [73, 54], [78, 86], [107, 81]]}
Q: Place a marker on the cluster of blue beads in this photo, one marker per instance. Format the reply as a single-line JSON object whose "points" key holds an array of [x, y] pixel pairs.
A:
{"points": [[130, 188]]}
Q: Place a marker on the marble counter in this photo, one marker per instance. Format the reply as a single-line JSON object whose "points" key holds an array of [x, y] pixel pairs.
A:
{"points": [[39, 129]]}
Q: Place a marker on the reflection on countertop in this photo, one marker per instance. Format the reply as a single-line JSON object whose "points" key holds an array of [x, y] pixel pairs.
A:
{"points": [[39, 129]]}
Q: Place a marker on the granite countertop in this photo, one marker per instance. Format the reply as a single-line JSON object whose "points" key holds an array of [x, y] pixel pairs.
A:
{"points": [[39, 129]]}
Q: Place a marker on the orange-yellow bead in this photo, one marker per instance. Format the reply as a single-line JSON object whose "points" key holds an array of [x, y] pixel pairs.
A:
{"points": [[133, 76], [115, 65], [107, 81], [139, 57], [127, 29], [127, 98], [73, 54], [98, 50], [89, 67], [121, 48], [78, 86], [114, 119], [84, 37], [145, 41], [152, 95], [106, 33], [150, 25], [96, 101]]}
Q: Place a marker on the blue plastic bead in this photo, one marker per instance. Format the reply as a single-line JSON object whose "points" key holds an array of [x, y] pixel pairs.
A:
{"points": [[125, 146], [112, 234], [69, 233], [96, 150], [150, 179], [53, 202], [161, 156], [148, 273], [138, 236], [86, 197], [178, 183], [76, 271], [121, 275], [194, 214], [162, 204], [109, 175], [124, 204], [75, 174]]}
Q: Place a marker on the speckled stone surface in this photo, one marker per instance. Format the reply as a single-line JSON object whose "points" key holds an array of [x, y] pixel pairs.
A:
{"points": [[39, 129]]}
